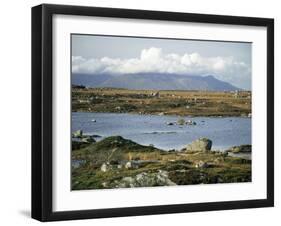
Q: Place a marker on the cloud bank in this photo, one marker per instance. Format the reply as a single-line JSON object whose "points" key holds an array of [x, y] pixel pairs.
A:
{"points": [[154, 60]]}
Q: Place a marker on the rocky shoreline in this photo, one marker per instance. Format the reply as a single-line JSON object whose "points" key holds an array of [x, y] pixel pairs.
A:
{"points": [[115, 162]]}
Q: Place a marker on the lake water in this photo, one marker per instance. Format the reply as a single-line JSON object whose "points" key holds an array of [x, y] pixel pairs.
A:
{"points": [[152, 129]]}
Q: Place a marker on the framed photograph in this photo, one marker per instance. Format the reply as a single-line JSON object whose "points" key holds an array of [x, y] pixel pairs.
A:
{"points": [[145, 112]]}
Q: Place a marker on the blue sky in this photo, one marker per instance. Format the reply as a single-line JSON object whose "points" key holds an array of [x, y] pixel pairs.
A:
{"points": [[227, 61]]}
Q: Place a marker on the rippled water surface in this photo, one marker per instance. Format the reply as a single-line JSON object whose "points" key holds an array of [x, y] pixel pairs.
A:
{"points": [[153, 129]]}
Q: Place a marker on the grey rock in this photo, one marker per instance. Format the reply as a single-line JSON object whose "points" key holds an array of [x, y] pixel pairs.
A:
{"points": [[132, 165], [201, 164], [128, 165], [104, 184], [181, 121], [190, 122], [78, 134], [105, 167], [202, 144], [119, 166], [145, 179], [88, 139], [246, 148]]}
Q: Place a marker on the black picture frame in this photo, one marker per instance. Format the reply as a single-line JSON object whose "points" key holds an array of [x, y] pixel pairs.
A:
{"points": [[42, 111]]}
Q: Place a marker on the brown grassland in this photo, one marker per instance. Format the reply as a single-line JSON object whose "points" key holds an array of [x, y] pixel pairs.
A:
{"points": [[182, 103]]}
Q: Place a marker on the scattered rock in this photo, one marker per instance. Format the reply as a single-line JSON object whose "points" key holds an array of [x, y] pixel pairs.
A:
{"points": [[131, 165], [201, 164], [104, 184], [126, 182], [246, 148], [128, 165], [145, 179], [119, 166], [181, 121], [105, 167], [190, 122]]}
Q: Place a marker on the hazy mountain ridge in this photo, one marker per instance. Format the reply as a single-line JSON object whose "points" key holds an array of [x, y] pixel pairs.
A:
{"points": [[154, 81]]}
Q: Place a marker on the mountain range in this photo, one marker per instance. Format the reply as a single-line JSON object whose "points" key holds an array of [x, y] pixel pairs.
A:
{"points": [[153, 81]]}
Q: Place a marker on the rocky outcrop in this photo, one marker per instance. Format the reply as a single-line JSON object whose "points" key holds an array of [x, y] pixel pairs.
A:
{"points": [[79, 137], [88, 139], [202, 144], [246, 148], [77, 134], [115, 162], [145, 179]]}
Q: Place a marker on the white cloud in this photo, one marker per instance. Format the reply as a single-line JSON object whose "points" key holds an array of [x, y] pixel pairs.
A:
{"points": [[154, 60]]}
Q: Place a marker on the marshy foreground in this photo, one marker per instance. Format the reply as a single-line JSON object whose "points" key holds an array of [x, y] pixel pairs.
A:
{"points": [[115, 162]]}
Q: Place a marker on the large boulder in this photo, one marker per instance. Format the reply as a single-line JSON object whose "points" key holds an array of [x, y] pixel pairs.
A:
{"points": [[202, 144]]}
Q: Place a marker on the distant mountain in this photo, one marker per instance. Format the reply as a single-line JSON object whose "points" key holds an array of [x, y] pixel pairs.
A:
{"points": [[155, 81]]}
